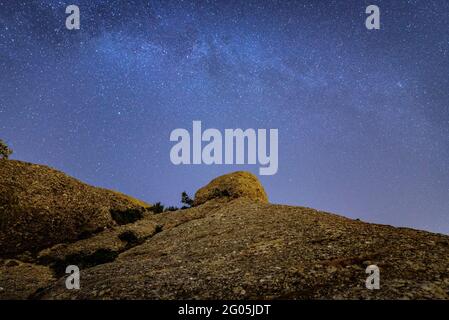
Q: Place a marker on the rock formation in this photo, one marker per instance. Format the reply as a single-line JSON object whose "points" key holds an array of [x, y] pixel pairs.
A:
{"points": [[40, 207], [232, 244], [234, 185]]}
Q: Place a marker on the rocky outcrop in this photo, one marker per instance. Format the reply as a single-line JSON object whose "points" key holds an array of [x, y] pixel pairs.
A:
{"points": [[41, 207], [232, 244], [230, 186], [245, 249]]}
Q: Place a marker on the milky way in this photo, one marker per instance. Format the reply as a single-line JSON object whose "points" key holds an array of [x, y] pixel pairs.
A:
{"points": [[363, 116]]}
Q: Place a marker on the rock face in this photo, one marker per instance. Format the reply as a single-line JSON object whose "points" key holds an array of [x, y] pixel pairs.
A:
{"points": [[20, 280], [40, 207], [101, 248], [230, 186], [237, 247], [249, 250]]}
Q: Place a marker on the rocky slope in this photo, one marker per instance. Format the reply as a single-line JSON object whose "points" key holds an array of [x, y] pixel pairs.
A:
{"points": [[40, 207], [235, 245]]}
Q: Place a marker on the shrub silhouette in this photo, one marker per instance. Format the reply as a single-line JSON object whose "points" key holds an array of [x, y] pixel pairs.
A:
{"points": [[5, 151], [157, 208], [126, 216], [185, 199]]}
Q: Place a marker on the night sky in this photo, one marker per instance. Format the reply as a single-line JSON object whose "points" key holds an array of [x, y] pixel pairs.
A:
{"points": [[363, 116]]}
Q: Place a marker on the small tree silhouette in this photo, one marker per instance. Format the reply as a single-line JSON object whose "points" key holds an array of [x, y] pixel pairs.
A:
{"points": [[185, 199], [5, 151], [157, 207]]}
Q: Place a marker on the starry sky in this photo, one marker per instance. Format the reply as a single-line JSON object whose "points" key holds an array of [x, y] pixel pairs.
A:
{"points": [[363, 116]]}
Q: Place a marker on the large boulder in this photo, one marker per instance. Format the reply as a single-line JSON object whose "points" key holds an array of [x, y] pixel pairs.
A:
{"points": [[41, 207], [239, 184]]}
